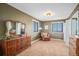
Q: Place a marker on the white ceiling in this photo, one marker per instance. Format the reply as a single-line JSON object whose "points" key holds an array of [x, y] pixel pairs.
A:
{"points": [[61, 10]]}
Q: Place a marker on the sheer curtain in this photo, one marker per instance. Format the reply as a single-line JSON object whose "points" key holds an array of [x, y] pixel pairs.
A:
{"points": [[78, 27], [74, 26]]}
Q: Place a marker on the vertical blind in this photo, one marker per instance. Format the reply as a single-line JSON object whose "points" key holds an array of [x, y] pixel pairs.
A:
{"points": [[34, 26], [57, 27]]}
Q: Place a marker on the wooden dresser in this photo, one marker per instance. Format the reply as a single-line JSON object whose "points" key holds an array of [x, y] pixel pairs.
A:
{"points": [[13, 46], [74, 46]]}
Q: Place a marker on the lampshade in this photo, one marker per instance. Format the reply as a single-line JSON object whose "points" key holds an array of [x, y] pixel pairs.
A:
{"points": [[40, 28]]}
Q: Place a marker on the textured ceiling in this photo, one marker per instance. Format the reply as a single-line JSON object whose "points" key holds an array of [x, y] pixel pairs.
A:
{"points": [[60, 10]]}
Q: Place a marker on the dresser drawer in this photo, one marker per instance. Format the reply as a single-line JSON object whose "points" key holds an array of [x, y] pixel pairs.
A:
{"points": [[72, 51], [10, 51], [10, 43]]}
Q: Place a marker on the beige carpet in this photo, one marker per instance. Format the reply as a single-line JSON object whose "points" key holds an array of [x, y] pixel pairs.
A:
{"points": [[53, 47]]}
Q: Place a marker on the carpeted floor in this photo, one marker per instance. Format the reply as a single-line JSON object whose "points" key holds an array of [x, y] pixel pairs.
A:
{"points": [[53, 47]]}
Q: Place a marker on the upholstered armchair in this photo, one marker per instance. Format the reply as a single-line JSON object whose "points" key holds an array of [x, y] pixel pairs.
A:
{"points": [[45, 36]]}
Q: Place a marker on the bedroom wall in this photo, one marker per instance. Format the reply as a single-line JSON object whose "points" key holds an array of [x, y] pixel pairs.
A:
{"points": [[57, 35], [8, 12], [67, 27], [67, 31]]}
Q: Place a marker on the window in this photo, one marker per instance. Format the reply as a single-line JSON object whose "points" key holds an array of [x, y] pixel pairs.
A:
{"points": [[74, 26], [35, 26], [77, 27], [57, 27]]}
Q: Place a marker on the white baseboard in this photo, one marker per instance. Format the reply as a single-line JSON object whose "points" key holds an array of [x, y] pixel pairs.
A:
{"points": [[35, 41]]}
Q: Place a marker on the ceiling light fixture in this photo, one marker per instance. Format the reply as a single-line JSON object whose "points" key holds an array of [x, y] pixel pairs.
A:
{"points": [[48, 13]]}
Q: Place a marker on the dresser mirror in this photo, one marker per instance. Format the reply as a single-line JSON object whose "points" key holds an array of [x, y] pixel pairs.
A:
{"points": [[22, 28], [14, 28]]}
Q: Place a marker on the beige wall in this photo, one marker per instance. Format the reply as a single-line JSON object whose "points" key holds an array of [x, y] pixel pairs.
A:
{"points": [[35, 35], [58, 35], [9, 13]]}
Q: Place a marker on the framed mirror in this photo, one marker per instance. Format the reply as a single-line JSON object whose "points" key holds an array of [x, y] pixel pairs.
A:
{"points": [[22, 28], [18, 28], [14, 28]]}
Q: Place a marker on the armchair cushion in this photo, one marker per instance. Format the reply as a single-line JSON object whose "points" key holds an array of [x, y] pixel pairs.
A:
{"points": [[45, 36]]}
